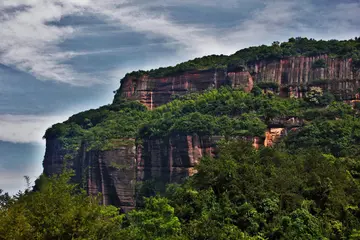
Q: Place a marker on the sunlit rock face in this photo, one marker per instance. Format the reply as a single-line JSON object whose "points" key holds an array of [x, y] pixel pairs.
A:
{"points": [[293, 75], [338, 75], [153, 92]]}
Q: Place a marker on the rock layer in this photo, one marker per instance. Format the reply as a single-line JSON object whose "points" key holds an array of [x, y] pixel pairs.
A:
{"points": [[153, 92], [292, 74], [115, 173]]}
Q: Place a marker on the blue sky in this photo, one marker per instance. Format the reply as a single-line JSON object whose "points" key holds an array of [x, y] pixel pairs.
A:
{"points": [[59, 57]]}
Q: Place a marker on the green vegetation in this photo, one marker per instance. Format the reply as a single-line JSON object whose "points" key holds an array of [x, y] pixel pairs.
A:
{"points": [[305, 187], [57, 210], [244, 193], [223, 112], [269, 194], [268, 85], [294, 47], [320, 63]]}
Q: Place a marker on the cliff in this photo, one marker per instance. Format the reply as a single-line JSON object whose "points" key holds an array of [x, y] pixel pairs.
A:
{"points": [[116, 172], [153, 92], [111, 173], [291, 74]]}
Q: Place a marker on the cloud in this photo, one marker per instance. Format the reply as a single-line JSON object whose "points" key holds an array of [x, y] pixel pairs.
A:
{"points": [[26, 128], [31, 44], [13, 181]]}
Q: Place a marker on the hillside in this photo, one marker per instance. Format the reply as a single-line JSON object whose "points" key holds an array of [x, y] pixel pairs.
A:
{"points": [[158, 128], [306, 186]]}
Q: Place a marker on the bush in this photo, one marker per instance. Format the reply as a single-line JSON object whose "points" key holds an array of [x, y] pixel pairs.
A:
{"points": [[320, 63]]}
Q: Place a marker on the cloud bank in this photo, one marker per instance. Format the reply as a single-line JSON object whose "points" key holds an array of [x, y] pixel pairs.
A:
{"points": [[26, 128], [31, 44]]}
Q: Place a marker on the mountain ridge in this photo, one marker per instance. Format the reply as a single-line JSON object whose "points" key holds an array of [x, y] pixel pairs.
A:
{"points": [[114, 148]]}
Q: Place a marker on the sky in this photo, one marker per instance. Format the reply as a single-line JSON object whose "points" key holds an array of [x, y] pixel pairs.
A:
{"points": [[59, 57]]}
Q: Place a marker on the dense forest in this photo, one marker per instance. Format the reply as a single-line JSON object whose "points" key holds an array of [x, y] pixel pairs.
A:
{"points": [[293, 47], [305, 187]]}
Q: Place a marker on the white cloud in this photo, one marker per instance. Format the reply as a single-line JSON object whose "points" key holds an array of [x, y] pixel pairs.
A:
{"points": [[26, 128], [13, 180], [30, 44]]}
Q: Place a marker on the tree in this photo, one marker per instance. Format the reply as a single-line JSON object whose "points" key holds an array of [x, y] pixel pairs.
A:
{"points": [[5, 199], [155, 221], [59, 210], [314, 95]]}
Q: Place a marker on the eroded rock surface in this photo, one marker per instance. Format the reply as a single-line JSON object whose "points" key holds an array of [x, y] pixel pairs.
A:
{"points": [[292, 74]]}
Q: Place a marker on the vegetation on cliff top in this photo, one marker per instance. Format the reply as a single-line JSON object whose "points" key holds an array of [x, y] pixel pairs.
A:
{"points": [[293, 47], [225, 112]]}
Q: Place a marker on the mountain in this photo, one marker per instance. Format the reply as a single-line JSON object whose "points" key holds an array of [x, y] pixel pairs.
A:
{"points": [[163, 121]]}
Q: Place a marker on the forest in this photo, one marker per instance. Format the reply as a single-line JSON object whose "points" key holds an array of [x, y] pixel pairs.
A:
{"points": [[307, 186]]}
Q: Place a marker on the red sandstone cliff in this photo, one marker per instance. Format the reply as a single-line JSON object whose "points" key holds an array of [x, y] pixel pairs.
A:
{"points": [[114, 173], [294, 73], [154, 92]]}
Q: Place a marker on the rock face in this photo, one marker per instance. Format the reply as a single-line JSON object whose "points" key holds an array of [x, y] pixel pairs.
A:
{"points": [[338, 75], [111, 172], [115, 172], [292, 75], [153, 92], [173, 158]]}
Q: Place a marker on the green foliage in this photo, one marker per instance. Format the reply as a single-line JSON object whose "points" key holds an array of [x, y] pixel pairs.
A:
{"points": [[313, 95], [305, 187], [156, 221], [357, 106], [294, 47], [59, 210], [268, 85], [267, 194], [5, 199], [319, 82], [224, 112], [320, 63], [256, 91], [340, 137]]}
